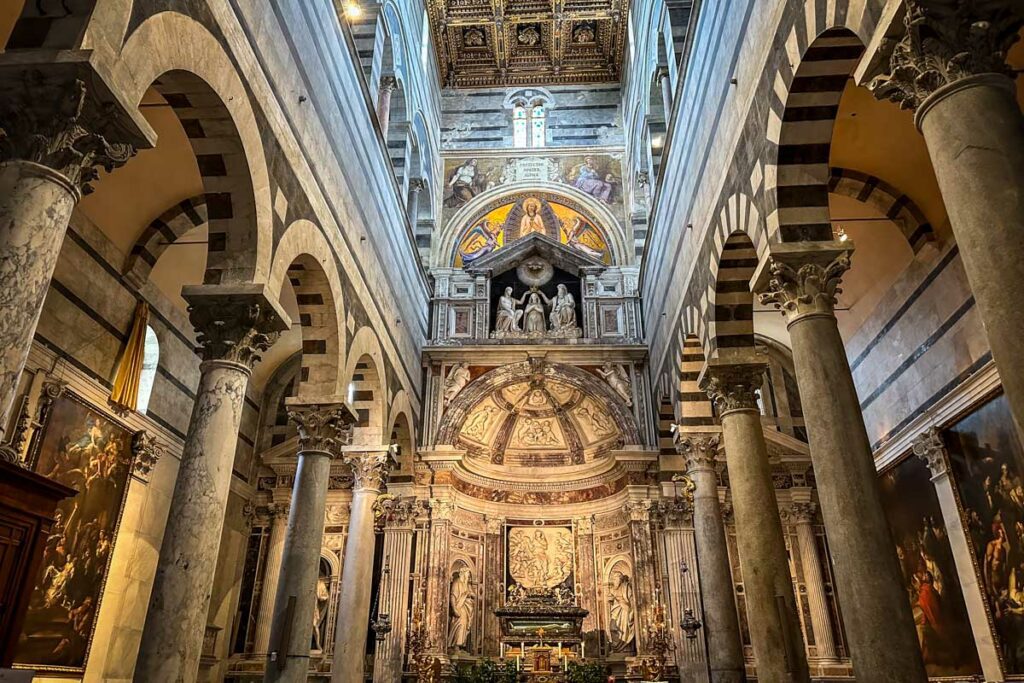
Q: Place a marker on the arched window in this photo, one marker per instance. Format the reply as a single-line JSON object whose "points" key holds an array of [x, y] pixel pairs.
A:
{"points": [[537, 126], [150, 360], [519, 125]]}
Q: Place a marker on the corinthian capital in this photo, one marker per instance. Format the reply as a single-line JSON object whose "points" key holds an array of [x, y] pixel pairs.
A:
{"points": [[59, 124], [699, 451], [323, 426], [804, 289], [733, 386], [370, 469], [947, 41], [234, 323], [803, 513], [930, 448]]}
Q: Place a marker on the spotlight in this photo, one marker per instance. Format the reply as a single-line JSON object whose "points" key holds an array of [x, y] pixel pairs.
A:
{"points": [[353, 11]]}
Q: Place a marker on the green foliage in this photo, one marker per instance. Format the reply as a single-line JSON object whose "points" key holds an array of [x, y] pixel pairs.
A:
{"points": [[590, 672], [487, 671]]}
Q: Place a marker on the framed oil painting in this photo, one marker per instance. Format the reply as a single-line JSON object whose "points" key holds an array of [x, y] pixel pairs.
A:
{"points": [[80, 447], [987, 462], [929, 571]]}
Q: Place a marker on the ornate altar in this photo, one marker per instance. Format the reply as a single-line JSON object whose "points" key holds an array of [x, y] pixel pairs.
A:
{"points": [[542, 630]]}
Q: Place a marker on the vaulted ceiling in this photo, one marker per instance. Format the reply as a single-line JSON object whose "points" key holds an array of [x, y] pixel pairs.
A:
{"points": [[528, 42]]}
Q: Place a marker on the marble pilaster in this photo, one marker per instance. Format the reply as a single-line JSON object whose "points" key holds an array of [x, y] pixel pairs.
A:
{"points": [[771, 606], [370, 468], [436, 613], [721, 623], [416, 187], [325, 427], [277, 515], [930, 448], [586, 589], [399, 521], [53, 137], [802, 515], [234, 325], [644, 572], [680, 562], [950, 69], [801, 279]]}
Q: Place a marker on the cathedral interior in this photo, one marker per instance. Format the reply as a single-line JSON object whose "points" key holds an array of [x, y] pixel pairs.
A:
{"points": [[525, 341]]}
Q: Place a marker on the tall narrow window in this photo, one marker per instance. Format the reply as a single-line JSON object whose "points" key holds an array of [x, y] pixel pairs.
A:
{"points": [[537, 126], [519, 125], [150, 360]]}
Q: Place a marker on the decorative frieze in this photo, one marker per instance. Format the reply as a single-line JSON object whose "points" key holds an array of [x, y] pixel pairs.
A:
{"points": [[947, 42]]}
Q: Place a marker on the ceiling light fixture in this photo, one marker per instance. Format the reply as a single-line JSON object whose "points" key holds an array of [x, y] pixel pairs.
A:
{"points": [[353, 11]]}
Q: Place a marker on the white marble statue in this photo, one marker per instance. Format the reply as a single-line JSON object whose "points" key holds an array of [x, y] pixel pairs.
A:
{"points": [[509, 314], [323, 594], [462, 604], [563, 310], [616, 377], [620, 611], [457, 380], [535, 313]]}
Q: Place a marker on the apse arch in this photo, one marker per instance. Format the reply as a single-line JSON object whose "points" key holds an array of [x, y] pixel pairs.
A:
{"points": [[478, 207]]}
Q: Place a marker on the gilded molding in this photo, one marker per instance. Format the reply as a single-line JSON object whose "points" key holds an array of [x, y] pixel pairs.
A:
{"points": [[947, 41], [808, 290], [55, 129]]}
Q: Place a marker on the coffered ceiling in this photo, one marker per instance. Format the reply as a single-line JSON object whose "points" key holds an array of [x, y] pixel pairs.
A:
{"points": [[528, 42]]}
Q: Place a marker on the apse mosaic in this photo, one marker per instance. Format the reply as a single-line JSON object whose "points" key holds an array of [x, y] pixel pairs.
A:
{"points": [[525, 216]]}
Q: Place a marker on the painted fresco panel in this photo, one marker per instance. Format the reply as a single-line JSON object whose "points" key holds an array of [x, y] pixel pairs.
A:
{"points": [[987, 462], [929, 572], [81, 448]]}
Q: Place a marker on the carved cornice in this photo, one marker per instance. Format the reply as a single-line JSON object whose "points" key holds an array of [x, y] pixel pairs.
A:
{"points": [[323, 427], [733, 387], [369, 469], [699, 451], [233, 326], [805, 289], [60, 128], [930, 448], [947, 41]]}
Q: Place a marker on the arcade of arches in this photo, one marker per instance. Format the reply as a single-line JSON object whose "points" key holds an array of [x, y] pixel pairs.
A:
{"points": [[425, 340]]}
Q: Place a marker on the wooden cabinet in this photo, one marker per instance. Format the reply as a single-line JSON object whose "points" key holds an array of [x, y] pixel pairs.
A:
{"points": [[27, 505]]}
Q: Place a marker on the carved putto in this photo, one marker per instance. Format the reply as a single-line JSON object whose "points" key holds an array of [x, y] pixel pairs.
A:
{"points": [[528, 36], [618, 380], [457, 380]]}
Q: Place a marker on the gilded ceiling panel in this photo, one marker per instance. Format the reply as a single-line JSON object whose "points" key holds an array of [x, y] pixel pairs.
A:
{"points": [[484, 43]]}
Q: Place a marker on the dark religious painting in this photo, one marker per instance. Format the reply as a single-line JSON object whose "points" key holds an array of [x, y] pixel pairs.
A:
{"points": [[929, 572], [83, 449], [988, 467]]}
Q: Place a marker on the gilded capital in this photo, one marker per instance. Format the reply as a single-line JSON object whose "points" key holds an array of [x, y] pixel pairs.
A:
{"points": [[733, 386], [699, 451], [946, 42], [930, 448], [59, 125], [804, 289], [233, 324], [323, 427], [369, 469]]}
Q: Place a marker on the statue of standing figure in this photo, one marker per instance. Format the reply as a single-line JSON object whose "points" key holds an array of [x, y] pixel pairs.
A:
{"points": [[616, 377]]}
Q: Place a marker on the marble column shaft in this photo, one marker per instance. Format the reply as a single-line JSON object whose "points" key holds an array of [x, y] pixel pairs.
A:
{"points": [[50, 151], [436, 616], [370, 468], [814, 580], [665, 83], [271, 573], [930, 448], [719, 615], [494, 582], [771, 607], [386, 88], [586, 589], [802, 279], [399, 527], [324, 428], [416, 187], [233, 326], [644, 579], [951, 70]]}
